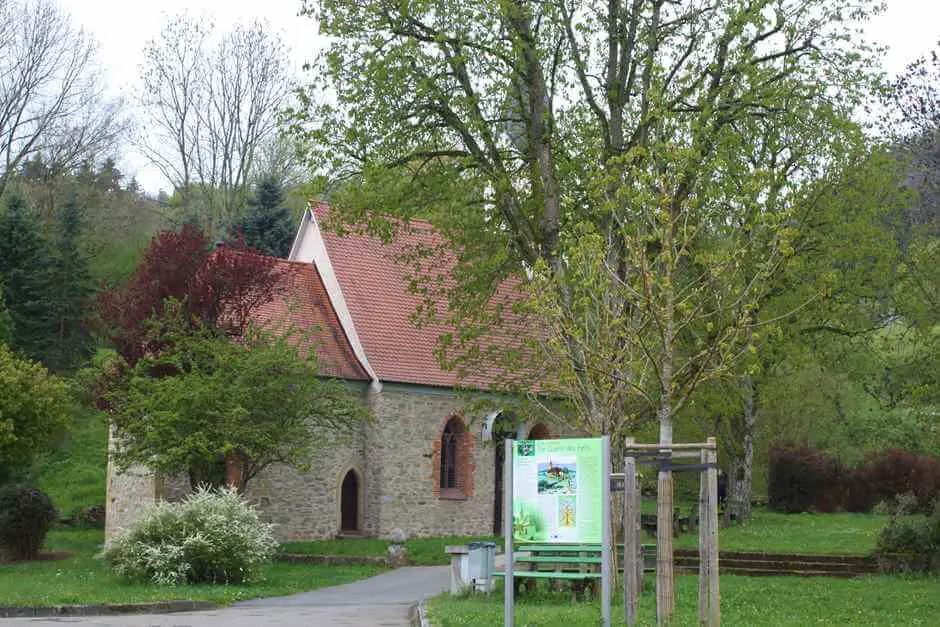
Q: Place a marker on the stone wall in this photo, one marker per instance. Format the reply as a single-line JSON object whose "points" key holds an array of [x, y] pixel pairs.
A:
{"points": [[129, 494], [396, 458], [306, 504], [404, 449]]}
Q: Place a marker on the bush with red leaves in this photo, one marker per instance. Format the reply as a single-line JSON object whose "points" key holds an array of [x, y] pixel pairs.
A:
{"points": [[895, 471], [802, 479], [218, 288]]}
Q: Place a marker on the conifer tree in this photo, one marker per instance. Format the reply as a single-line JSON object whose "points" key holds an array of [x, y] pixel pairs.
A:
{"points": [[28, 282], [268, 226], [72, 296]]}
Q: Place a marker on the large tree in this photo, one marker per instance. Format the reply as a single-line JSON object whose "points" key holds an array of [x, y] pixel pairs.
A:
{"points": [[27, 279], [640, 164], [210, 107], [51, 100]]}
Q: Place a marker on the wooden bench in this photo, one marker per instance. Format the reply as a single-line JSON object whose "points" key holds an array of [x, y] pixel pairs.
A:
{"points": [[578, 563]]}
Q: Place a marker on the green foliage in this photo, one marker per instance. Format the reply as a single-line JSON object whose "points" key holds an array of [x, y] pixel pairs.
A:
{"points": [[210, 536], [646, 214], [907, 545], [207, 398], [6, 322], [72, 299], [34, 412], [26, 515], [267, 226], [27, 279]]}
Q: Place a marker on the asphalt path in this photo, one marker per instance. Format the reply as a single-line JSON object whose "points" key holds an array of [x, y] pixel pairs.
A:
{"points": [[382, 601]]}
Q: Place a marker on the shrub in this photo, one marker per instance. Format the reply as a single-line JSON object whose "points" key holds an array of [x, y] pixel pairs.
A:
{"points": [[894, 472], [910, 545], [211, 536], [33, 411], [26, 514], [802, 479]]}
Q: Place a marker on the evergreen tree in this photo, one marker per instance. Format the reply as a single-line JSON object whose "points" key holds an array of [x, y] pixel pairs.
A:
{"points": [[6, 322], [28, 282], [72, 297], [267, 226]]}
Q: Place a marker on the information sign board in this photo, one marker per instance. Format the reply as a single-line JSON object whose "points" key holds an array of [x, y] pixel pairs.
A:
{"points": [[558, 490]]}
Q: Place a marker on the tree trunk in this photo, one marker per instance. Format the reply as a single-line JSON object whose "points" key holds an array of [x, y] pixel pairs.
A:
{"points": [[742, 465], [665, 578]]}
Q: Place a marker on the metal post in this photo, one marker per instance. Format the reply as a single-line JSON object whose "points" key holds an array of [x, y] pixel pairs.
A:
{"points": [[510, 589], [606, 539]]}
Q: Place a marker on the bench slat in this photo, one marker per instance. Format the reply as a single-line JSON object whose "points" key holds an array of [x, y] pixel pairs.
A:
{"points": [[544, 574], [557, 559]]}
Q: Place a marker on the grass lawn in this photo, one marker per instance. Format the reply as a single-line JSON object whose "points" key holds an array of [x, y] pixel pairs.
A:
{"points": [[877, 600], [422, 551], [82, 579], [772, 532], [74, 475], [769, 532]]}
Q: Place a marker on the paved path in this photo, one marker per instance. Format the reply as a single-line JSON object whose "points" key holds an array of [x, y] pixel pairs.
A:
{"points": [[381, 601]]}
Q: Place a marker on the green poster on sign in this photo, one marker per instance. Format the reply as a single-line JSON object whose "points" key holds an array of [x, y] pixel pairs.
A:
{"points": [[558, 489]]}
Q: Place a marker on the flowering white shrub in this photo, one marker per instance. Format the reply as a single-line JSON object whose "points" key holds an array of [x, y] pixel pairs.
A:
{"points": [[211, 536]]}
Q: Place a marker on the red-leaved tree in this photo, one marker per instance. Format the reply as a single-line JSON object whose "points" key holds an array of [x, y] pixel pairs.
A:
{"points": [[219, 288]]}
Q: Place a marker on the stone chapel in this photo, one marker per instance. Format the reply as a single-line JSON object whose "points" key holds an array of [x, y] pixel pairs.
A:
{"points": [[421, 466]]}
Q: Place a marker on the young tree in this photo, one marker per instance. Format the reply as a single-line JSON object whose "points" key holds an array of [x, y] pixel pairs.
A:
{"points": [[258, 400], [210, 107], [217, 288], [644, 161], [267, 226], [33, 412]]}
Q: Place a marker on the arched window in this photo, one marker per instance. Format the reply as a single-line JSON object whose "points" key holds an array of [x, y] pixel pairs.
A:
{"points": [[450, 439]]}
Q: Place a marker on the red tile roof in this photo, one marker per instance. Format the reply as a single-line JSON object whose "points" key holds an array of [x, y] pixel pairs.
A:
{"points": [[374, 279], [304, 306]]}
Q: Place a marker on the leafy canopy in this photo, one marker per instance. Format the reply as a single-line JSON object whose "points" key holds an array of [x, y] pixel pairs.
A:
{"points": [[640, 167], [33, 411], [217, 288], [258, 400]]}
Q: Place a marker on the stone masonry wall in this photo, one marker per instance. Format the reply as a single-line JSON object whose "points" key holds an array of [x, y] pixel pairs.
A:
{"points": [[306, 505], [405, 449]]}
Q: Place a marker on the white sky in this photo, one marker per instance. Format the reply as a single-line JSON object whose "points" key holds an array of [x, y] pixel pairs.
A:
{"points": [[909, 28]]}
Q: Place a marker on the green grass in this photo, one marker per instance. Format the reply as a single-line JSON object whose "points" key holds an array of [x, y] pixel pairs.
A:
{"points": [[772, 532], [422, 551], [877, 600], [84, 579], [75, 475]]}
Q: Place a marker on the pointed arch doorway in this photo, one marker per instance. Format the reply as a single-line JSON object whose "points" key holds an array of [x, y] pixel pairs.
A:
{"points": [[349, 501]]}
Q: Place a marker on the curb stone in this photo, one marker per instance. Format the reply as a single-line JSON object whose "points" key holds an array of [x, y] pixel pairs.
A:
{"points": [[419, 614], [109, 609]]}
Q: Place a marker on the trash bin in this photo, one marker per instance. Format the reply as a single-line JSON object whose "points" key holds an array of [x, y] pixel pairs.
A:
{"points": [[481, 560]]}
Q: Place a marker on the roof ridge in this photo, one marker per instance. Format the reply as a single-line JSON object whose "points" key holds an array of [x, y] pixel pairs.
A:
{"points": [[325, 206]]}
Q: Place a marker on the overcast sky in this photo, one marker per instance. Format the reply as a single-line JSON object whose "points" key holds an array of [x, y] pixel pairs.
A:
{"points": [[909, 28]]}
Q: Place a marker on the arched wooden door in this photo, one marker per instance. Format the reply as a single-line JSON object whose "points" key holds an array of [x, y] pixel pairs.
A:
{"points": [[349, 502]]}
